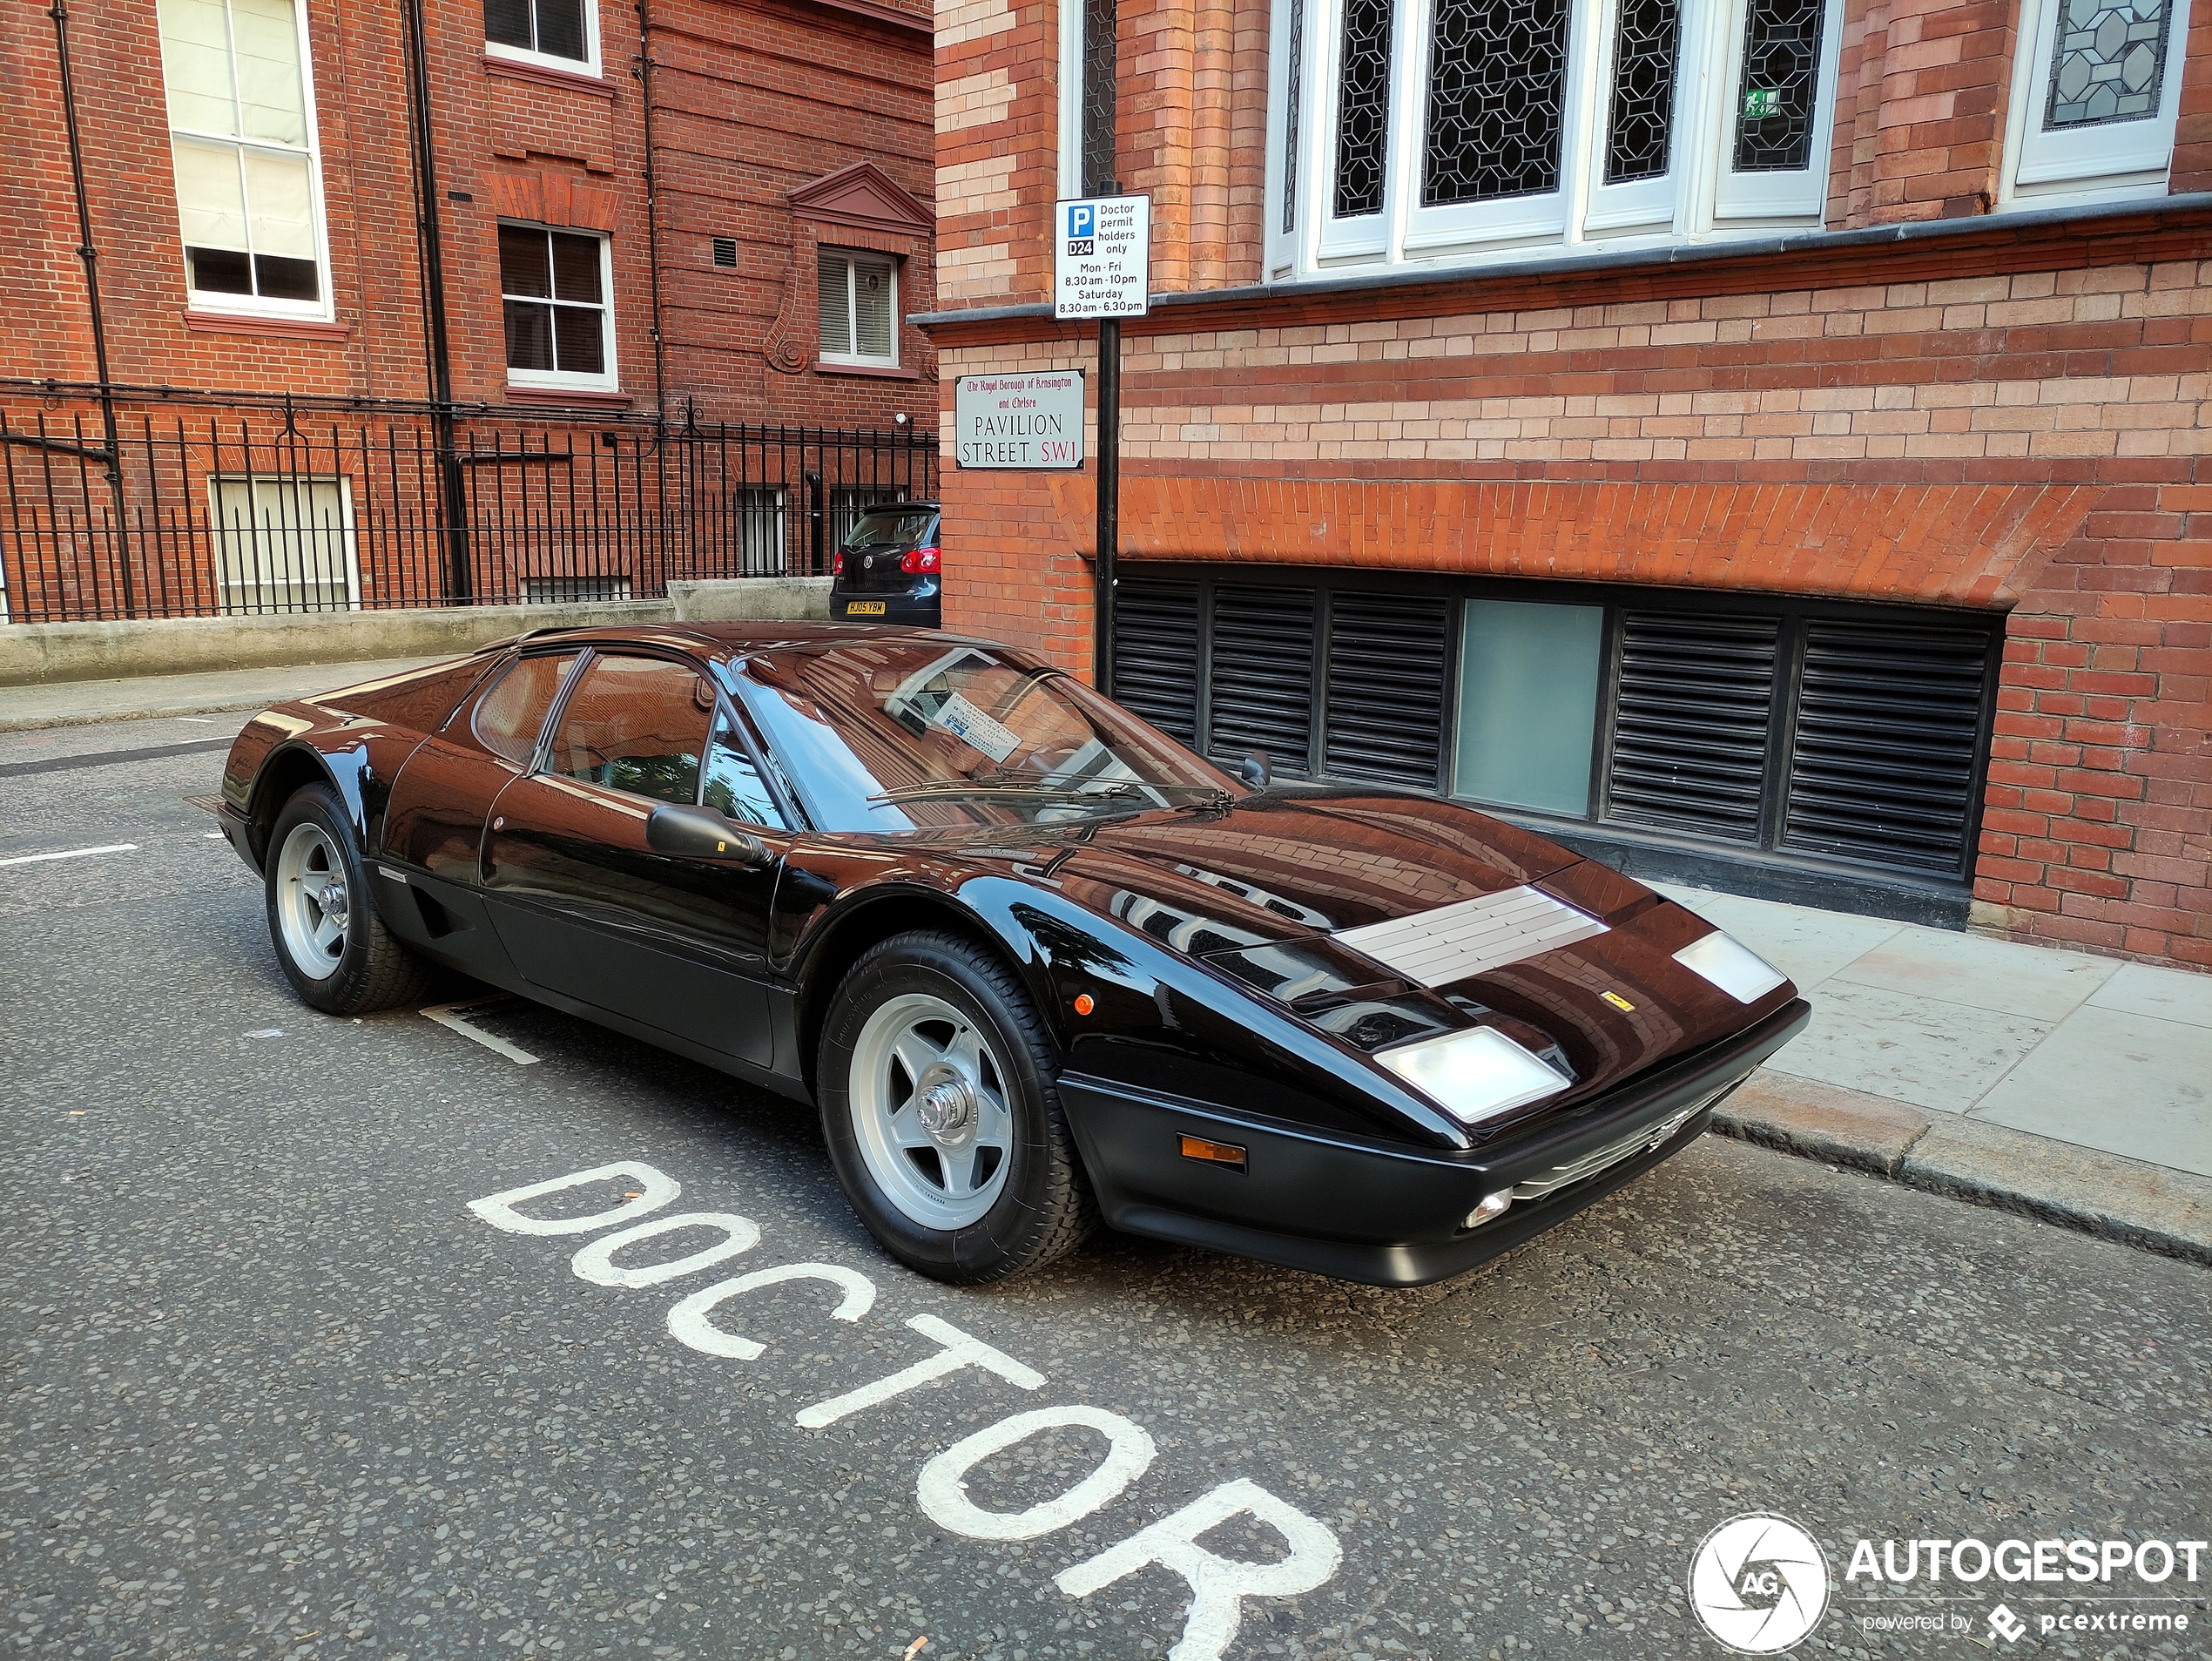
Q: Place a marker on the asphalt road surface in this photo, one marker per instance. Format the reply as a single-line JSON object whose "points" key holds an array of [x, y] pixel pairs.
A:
{"points": [[272, 1387]]}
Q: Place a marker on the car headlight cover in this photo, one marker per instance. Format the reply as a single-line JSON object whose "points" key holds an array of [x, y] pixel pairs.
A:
{"points": [[1474, 1075], [1732, 966]]}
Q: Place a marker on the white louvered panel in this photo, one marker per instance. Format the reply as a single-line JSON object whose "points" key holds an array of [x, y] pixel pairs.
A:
{"points": [[1437, 947]]}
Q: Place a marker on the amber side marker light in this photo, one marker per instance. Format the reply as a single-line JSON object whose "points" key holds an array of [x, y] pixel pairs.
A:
{"points": [[1214, 1154], [1083, 1003]]}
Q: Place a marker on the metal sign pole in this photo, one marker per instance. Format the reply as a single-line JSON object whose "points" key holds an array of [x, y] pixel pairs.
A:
{"points": [[1110, 499]]}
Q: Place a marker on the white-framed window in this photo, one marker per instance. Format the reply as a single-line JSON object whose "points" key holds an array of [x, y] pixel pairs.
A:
{"points": [[1089, 87], [553, 289], [2096, 85], [859, 308], [1445, 131], [559, 34], [242, 140], [284, 542]]}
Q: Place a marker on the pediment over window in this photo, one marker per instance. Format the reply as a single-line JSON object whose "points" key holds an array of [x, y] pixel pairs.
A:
{"points": [[863, 198]]}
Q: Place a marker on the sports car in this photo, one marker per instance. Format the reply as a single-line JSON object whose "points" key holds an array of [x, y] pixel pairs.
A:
{"points": [[1034, 964]]}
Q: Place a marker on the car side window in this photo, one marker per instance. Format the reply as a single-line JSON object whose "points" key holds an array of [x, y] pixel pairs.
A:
{"points": [[637, 725], [734, 786], [510, 716]]}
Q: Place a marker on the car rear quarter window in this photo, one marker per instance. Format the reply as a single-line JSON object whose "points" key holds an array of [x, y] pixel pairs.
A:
{"points": [[512, 713], [421, 702], [636, 724]]}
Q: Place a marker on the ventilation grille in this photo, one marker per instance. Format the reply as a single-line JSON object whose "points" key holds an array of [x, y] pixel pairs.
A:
{"points": [[725, 251], [1156, 654], [1883, 768], [1386, 675], [1262, 674], [1690, 738]]}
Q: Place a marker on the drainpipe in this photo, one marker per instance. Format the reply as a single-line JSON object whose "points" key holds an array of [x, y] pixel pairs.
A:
{"points": [[452, 495], [652, 207], [113, 458]]}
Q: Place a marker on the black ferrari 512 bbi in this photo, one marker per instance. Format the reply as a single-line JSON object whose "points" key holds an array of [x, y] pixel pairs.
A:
{"points": [[1035, 961]]}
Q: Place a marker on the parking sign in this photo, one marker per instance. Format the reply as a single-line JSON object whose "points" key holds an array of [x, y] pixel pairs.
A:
{"points": [[1101, 252]]}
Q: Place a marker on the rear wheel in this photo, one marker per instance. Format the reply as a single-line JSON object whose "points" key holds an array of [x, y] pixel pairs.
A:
{"points": [[333, 947], [941, 1108]]}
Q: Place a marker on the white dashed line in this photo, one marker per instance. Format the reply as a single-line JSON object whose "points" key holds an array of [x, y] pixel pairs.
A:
{"points": [[449, 1016], [72, 853]]}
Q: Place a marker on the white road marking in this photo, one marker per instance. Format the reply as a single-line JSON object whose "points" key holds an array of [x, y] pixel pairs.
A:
{"points": [[72, 853], [943, 1493], [213, 836], [959, 1350], [596, 1262], [197, 720], [1216, 1584], [449, 1016], [654, 1191], [690, 1322]]}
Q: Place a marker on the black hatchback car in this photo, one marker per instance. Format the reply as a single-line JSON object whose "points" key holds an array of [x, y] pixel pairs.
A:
{"points": [[890, 568]]}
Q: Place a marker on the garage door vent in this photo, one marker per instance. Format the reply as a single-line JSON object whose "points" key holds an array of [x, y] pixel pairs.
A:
{"points": [[1262, 674], [1689, 737], [1156, 654], [1888, 718], [1386, 676]]}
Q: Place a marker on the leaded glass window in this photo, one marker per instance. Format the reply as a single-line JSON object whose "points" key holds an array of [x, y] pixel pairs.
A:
{"points": [[1290, 118], [1098, 92], [1363, 108], [1647, 43], [1497, 95], [2106, 62], [1778, 92]]}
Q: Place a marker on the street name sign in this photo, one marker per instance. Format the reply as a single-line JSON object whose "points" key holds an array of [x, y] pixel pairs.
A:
{"points": [[1022, 421], [1102, 255]]}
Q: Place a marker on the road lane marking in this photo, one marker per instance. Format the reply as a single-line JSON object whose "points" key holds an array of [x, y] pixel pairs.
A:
{"points": [[72, 853], [449, 1016]]}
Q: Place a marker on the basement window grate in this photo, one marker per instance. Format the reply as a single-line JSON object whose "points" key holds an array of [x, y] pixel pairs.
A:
{"points": [[1262, 674], [1156, 654], [1387, 678]]}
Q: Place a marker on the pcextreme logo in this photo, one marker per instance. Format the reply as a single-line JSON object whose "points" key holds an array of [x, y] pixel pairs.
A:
{"points": [[1759, 1583]]}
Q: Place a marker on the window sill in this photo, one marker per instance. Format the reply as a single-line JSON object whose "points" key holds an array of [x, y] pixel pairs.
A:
{"points": [[585, 81], [872, 371], [290, 329], [578, 399]]}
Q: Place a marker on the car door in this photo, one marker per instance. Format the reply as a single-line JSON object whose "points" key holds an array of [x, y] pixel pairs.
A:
{"points": [[433, 821], [587, 910]]}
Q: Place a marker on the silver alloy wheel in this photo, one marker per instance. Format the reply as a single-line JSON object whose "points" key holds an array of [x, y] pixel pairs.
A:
{"points": [[312, 903], [928, 1100]]}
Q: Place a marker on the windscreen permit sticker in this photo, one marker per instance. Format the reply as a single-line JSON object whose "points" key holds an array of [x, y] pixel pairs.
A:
{"points": [[973, 728]]}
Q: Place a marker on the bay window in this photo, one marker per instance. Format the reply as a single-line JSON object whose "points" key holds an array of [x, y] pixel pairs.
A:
{"points": [[1446, 130], [242, 143]]}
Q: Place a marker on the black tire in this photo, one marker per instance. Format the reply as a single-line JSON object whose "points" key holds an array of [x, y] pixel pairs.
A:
{"points": [[1045, 1208], [371, 969]]}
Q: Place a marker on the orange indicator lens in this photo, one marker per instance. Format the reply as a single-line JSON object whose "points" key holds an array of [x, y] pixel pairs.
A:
{"points": [[1218, 1153], [1083, 1005]]}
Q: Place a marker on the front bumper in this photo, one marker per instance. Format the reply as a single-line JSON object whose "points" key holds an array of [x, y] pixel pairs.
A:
{"points": [[1377, 1213]]}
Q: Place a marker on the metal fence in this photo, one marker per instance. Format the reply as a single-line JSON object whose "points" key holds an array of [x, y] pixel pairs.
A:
{"points": [[279, 505]]}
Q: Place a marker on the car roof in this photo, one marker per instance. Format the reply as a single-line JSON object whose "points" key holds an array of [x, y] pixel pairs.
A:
{"points": [[730, 639]]}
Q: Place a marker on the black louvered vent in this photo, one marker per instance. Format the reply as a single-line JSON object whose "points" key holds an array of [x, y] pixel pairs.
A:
{"points": [[1156, 654], [1690, 742], [1262, 674], [1883, 766], [1386, 699]]}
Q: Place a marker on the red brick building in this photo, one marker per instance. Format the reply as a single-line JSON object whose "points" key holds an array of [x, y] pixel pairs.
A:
{"points": [[1761, 441]]}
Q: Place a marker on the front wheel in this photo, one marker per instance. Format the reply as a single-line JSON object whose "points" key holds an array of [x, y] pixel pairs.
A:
{"points": [[333, 947], [939, 1106]]}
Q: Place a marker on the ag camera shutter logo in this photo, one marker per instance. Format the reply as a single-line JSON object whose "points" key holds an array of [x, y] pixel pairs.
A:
{"points": [[1759, 1583]]}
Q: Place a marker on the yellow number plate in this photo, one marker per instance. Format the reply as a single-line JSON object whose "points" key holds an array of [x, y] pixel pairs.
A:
{"points": [[864, 608]]}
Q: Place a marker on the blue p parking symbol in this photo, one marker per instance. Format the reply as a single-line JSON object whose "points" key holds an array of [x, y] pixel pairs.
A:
{"points": [[1082, 225]]}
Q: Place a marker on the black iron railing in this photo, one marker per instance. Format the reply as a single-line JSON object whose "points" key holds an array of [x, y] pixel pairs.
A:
{"points": [[278, 505]]}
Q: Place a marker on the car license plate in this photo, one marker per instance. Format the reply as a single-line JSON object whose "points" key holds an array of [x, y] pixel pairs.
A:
{"points": [[864, 608]]}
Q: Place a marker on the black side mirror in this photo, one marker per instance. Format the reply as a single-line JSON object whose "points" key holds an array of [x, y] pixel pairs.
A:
{"points": [[689, 833], [1255, 770]]}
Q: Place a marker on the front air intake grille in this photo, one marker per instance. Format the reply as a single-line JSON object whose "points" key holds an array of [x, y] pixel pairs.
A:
{"points": [[1690, 739], [1262, 674], [1889, 720], [1156, 654], [1386, 677]]}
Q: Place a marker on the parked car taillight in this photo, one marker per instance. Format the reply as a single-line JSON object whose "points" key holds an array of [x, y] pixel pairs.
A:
{"points": [[916, 561], [837, 564]]}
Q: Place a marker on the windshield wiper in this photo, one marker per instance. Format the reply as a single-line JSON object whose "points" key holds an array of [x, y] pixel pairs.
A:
{"points": [[1008, 788]]}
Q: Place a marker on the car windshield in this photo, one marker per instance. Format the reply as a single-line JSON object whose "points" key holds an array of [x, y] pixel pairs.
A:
{"points": [[899, 529], [922, 735]]}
